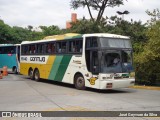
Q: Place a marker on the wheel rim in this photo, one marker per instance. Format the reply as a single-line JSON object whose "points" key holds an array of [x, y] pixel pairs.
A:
{"points": [[80, 81], [36, 75], [31, 73]]}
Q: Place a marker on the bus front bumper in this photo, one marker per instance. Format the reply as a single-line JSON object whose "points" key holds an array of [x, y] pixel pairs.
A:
{"points": [[116, 83]]}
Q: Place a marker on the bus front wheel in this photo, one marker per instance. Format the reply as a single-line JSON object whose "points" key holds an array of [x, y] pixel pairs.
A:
{"points": [[37, 75], [79, 82]]}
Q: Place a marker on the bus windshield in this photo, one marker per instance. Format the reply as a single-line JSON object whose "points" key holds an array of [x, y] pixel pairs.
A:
{"points": [[8, 50], [115, 42], [116, 61]]}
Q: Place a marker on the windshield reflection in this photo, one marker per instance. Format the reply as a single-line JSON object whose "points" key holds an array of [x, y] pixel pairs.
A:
{"points": [[116, 62]]}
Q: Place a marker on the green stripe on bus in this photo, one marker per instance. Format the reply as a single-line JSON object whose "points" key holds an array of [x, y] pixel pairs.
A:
{"points": [[63, 67], [55, 67]]}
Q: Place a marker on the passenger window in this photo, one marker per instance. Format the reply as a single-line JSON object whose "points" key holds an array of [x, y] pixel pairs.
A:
{"points": [[72, 46], [64, 47], [32, 49], [40, 48], [25, 50], [91, 42], [79, 45], [0, 50], [61, 47], [53, 47], [58, 47], [48, 48], [75, 46]]}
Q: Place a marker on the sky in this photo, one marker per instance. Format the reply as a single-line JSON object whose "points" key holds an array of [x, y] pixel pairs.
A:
{"points": [[56, 12]]}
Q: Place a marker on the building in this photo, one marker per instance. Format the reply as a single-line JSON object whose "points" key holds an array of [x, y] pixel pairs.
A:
{"points": [[73, 19]]}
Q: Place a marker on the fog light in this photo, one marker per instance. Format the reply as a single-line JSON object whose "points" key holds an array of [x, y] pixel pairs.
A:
{"points": [[109, 85]]}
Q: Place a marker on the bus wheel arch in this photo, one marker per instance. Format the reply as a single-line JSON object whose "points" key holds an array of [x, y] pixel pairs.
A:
{"points": [[36, 74], [14, 70], [79, 81], [30, 73]]}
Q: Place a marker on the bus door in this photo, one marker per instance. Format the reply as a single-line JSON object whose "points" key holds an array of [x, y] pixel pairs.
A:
{"points": [[92, 59], [94, 62], [18, 53]]}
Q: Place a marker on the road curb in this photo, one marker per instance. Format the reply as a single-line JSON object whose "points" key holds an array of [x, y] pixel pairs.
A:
{"points": [[145, 87]]}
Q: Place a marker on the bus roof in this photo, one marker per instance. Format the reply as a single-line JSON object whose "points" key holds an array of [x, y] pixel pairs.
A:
{"points": [[55, 37], [74, 35], [106, 35], [6, 45]]}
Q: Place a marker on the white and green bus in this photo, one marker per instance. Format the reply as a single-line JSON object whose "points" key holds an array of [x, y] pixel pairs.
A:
{"points": [[101, 61]]}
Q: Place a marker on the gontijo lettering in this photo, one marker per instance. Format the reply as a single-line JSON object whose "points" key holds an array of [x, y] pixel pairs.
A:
{"points": [[39, 59]]}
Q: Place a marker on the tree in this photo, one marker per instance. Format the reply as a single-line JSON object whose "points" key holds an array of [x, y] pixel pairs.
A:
{"points": [[51, 30], [98, 5], [148, 60], [5, 32], [86, 26], [30, 27]]}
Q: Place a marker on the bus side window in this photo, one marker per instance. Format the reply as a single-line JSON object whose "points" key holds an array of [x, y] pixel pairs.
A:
{"points": [[31, 49], [64, 47], [0, 50], [71, 46], [40, 48], [48, 48], [58, 47], [53, 47], [75, 46], [24, 49], [6, 50], [27, 49], [10, 50], [91, 42], [79, 46]]}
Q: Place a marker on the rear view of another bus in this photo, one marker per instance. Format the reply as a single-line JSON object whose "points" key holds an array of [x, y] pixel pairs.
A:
{"points": [[9, 56]]}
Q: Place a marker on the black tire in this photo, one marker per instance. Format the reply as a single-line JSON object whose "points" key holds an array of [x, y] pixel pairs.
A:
{"points": [[30, 74], [15, 70], [79, 82], [37, 75]]}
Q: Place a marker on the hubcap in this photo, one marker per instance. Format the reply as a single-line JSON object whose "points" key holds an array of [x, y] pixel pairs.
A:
{"points": [[31, 73], [36, 75], [80, 81]]}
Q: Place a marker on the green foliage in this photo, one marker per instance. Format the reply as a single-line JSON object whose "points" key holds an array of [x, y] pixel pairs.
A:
{"points": [[5, 32], [149, 59], [18, 34], [51, 30], [85, 26], [98, 5]]}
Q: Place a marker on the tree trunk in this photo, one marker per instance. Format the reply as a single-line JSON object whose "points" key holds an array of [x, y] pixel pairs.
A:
{"points": [[89, 10], [101, 11]]}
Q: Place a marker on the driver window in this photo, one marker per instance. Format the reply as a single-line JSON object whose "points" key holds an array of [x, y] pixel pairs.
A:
{"points": [[112, 59], [95, 64]]}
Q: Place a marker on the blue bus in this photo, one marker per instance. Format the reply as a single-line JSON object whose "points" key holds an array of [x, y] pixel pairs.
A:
{"points": [[9, 56]]}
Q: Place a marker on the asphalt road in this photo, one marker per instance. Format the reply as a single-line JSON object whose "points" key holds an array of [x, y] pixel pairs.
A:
{"points": [[18, 93]]}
